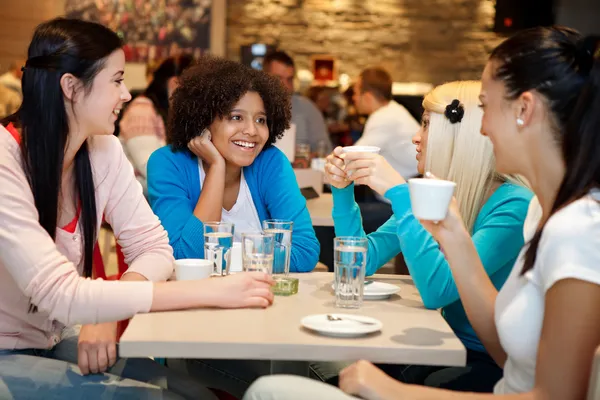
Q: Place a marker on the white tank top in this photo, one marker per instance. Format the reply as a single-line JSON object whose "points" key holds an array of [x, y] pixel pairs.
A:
{"points": [[243, 214]]}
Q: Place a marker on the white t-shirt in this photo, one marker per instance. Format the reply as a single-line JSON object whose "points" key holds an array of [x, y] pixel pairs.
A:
{"points": [[243, 214], [569, 248]]}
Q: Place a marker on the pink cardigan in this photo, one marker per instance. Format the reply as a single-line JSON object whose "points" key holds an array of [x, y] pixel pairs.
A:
{"points": [[34, 268]]}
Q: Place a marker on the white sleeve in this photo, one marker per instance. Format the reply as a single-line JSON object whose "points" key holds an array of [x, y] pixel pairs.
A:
{"points": [[570, 245]]}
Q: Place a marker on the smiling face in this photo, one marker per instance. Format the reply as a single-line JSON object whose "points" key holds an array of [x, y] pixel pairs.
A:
{"points": [[242, 134], [420, 140], [97, 110]]}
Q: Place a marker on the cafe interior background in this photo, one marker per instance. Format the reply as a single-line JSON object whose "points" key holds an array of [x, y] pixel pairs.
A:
{"points": [[421, 43]]}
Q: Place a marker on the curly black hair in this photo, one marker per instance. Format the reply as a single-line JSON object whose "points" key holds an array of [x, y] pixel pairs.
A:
{"points": [[211, 88]]}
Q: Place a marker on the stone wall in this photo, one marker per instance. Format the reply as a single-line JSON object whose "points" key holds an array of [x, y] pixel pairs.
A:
{"points": [[416, 40]]}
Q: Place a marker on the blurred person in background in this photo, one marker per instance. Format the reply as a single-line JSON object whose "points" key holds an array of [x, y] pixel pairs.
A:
{"points": [[309, 121], [142, 127], [9, 102], [389, 126], [12, 78]]}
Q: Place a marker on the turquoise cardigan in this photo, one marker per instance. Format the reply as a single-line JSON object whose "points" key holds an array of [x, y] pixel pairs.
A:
{"points": [[174, 190], [497, 235]]}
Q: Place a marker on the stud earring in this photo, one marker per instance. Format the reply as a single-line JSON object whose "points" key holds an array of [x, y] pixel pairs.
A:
{"points": [[520, 122]]}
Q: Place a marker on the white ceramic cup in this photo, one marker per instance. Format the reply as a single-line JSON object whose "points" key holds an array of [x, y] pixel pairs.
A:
{"points": [[190, 269], [430, 198], [361, 149]]}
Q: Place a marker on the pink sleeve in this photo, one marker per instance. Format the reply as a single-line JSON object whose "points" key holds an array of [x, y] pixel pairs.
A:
{"points": [[41, 272], [144, 241]]}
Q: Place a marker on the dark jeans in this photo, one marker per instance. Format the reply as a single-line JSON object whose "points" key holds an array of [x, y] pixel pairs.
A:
{"points": [[53, 374], [479, 375]]}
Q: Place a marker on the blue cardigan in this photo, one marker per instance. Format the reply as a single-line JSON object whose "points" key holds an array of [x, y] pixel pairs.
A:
{"points": [[174, 190], [497, 235]]}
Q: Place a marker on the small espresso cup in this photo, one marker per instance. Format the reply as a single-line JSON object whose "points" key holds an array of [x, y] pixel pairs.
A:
{"points": [[430, 198], [190, 269]]}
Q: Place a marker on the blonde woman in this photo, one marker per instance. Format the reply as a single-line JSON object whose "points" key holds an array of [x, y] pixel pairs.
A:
{"points": [[449, 144]]}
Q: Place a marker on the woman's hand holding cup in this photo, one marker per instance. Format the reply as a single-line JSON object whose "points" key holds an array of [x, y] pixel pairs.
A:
{"points": [[436, 208], [364, 166], [335, 169]]}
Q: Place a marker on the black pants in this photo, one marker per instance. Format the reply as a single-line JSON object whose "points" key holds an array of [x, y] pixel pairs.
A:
{"points": [[479, 375]]}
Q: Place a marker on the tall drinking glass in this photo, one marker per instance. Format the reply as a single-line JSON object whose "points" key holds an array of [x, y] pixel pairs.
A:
{"points": [[257, 252], [218, 238], [282, 232], [350, 263]]}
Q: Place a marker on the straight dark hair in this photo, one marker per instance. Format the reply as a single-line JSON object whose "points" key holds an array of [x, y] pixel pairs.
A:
{"points": [[560, 65], [58, 47], [157, 91]]}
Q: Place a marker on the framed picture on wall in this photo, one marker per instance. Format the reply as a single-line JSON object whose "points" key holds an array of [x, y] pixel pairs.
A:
{"points": [[155, 29], [324, 68]]}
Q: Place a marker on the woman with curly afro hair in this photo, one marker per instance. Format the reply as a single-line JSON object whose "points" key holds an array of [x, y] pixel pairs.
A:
{"points": [[220, 163]]}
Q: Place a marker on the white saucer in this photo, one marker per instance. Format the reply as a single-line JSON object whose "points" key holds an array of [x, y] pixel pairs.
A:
{"points": [[377, 290], [349, 327]]}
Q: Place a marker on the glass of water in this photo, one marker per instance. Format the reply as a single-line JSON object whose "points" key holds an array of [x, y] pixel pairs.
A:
{"points": [[350, 263], [282, 232], [257, 252], [218, 238]]}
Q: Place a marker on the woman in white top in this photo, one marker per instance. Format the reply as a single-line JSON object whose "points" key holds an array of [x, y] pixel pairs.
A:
{"points": [[541, 96]]}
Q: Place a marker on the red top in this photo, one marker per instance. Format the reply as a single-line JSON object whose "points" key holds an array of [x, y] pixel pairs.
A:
{"points": [[14, 132], [71, 226]]}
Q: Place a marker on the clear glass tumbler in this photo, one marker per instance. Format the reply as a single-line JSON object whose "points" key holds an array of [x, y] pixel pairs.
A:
{"points": [[350, 262]]}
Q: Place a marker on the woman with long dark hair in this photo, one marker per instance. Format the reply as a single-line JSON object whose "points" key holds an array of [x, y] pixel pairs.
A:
{"points": [[142, 125], [540, 95], [59, 175]]}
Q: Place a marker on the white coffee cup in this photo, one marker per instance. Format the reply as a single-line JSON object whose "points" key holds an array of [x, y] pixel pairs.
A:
{"points": [[361, 149], [430, 198], [190, 269]]}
